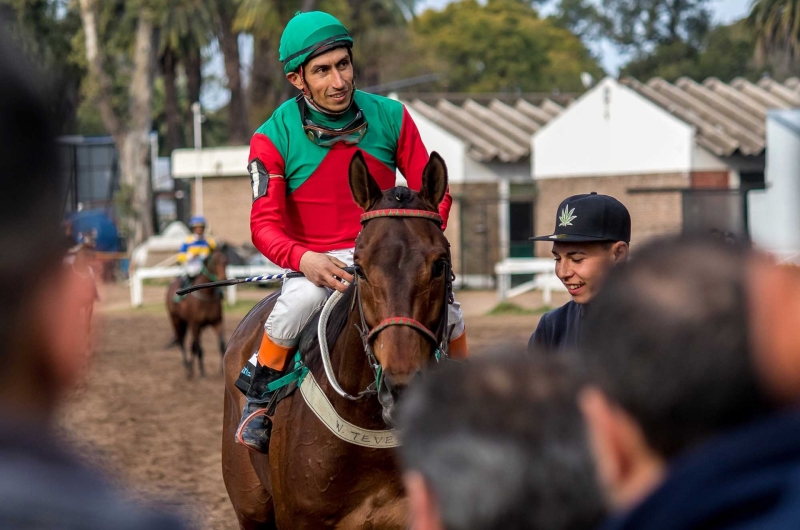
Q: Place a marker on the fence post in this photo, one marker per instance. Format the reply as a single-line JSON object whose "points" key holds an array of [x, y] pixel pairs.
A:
{"points": [[231, 296], [136, 289]]}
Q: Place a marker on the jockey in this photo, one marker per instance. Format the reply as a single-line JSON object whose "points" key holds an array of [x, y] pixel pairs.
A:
{"points": [[303, 215], [195, 248]]}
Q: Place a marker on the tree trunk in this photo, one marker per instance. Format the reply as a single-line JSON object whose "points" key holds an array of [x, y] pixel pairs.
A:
{"points": [[194, 74], [174, 138], [131, 139], [137, 143], [238, 128], [264, 90]]}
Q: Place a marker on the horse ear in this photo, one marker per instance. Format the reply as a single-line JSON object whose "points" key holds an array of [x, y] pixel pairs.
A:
{"points": [[365, 190], [434, 180]]}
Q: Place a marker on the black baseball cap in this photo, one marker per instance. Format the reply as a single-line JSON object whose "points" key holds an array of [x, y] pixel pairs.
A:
{"points": [[590, 217]]}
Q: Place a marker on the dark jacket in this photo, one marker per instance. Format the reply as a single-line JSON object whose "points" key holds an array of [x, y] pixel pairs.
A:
{"points": [[559, 329], [44, 487], [748, 479]]}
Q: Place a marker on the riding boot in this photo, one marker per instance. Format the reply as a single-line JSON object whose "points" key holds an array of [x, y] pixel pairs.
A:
{"points": [[255, 427]]}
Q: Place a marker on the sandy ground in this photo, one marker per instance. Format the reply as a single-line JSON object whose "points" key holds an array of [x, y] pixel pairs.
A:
{"points": [[158, 433]]}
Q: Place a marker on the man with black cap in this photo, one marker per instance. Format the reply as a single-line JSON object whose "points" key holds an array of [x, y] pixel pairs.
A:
{"points": [[592, 235]]}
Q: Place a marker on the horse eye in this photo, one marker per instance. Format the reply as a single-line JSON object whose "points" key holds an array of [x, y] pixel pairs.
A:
{"points": [[438, 268]]}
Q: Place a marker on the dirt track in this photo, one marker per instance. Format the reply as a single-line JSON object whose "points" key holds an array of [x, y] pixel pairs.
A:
{"points": [[158, 433]]}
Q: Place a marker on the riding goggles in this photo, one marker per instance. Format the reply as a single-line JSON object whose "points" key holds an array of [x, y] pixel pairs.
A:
{"points": [[350, 134]]}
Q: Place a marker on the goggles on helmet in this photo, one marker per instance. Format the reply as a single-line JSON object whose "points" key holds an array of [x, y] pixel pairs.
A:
{"points": [[350, 134]]}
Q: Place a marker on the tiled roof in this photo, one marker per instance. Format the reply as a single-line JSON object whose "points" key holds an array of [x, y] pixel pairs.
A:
{"points": [[729, 118], [493, 128]]}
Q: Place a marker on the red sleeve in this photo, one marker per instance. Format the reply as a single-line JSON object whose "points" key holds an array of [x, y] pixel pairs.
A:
{"points": [[411, 159], [267, 224]]}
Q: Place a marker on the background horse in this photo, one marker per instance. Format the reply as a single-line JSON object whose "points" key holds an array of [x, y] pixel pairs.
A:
{"points": [[198, 310], [80, 259], [311, 478]]}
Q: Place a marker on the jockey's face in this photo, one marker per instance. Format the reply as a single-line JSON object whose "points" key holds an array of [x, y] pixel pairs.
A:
{"points": [[327, 80], [199, 229]]}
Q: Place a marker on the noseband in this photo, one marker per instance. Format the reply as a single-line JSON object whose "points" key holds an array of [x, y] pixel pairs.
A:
{"points": [[438, 339]]}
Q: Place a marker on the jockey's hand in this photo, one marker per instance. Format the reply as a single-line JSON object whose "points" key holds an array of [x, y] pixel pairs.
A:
{"points": [[320, 269]]}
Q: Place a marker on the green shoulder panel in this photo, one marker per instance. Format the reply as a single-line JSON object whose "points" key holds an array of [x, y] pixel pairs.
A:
{"points": [[385, 119]]}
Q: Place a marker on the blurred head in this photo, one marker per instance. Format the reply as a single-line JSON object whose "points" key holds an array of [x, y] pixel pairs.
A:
{"points": [[41, 333], [198, 224], [667, 354], [316, 52], [583, 267], [498, 444]]}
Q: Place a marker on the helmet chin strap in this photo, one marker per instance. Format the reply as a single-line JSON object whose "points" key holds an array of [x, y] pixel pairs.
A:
{"points": [[314, 105]]}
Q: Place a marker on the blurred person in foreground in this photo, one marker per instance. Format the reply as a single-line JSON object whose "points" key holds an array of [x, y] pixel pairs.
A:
{"points": [[592, 236], [42, 485], [682, 430], [498, 444]]}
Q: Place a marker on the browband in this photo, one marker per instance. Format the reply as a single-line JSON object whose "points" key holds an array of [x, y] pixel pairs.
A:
{"points": [[419, 214]]}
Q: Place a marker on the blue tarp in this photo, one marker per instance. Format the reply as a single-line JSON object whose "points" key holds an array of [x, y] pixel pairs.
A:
{"points": [[88, 220]]}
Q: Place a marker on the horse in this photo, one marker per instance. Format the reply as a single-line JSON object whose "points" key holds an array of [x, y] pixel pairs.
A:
{"points": [[79, 259], [198, 310], [313, 478]]}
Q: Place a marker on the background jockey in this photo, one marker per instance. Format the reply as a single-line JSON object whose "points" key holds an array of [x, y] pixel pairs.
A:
{"points": [[195, 248], [303, 215]]}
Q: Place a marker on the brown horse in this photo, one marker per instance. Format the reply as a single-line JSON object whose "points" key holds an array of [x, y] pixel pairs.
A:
{"points": [[198, 310], [80, 260], [312, 478]]}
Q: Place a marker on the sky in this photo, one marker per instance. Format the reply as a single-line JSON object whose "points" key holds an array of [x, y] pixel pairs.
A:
{"points": [[215, 95]]}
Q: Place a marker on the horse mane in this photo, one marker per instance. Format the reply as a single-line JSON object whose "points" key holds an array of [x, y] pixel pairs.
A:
{"points": [[309, 340]]}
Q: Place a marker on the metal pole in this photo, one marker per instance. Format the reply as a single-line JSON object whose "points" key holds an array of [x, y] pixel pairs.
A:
{"points": [[198, 147]]}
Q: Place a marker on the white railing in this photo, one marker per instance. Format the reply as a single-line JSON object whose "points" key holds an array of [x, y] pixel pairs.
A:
{"points": [[231, 271], [544, 278]]}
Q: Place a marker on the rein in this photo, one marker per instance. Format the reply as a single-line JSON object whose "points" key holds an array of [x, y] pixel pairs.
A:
{"points": [[438, 338]]}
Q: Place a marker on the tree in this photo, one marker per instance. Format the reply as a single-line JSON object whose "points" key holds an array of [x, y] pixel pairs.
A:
{"points": [[641, 25], [43, 29], [502, 46], [185, 26], [726, 52], [776, 25], [131, 122], [239, 131]]}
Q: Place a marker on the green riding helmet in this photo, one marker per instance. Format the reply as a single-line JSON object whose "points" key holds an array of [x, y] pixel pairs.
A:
{"points": [[309, 34]]}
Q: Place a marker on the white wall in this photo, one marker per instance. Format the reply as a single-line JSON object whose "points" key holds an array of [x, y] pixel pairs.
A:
{"points": [[448, 146], [612, 130], [213, 162], [774, 214]]}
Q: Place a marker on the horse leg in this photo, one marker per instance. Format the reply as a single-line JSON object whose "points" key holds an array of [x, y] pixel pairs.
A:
{"points": [[197, 350], [220, 329]]}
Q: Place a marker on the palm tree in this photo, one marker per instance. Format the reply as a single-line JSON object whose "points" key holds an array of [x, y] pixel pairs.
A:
{"points": [[185, 26], [776, 25]]}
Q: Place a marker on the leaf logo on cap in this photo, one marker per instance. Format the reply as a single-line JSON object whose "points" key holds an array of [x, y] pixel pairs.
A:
{"points": [[566, 216]]}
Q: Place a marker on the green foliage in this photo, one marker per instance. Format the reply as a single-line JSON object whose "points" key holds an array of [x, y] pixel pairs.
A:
{"points": [[640, 25], [43, 30], [776, 26], [726, 53], [502, 46]]}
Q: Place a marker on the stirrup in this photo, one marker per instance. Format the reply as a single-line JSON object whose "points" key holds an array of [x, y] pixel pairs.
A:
{"points": [[246, 421]]}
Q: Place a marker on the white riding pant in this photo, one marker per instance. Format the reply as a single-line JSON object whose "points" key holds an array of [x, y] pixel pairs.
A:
{"points": [[193, 267], [300, 299]]}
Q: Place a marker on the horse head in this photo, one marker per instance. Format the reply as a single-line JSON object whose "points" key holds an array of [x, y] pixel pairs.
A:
{"points": [[403, 268], [215, 264]]}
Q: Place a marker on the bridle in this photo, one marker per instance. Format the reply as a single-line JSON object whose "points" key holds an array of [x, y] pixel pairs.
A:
{"points": [[437, 338]]}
